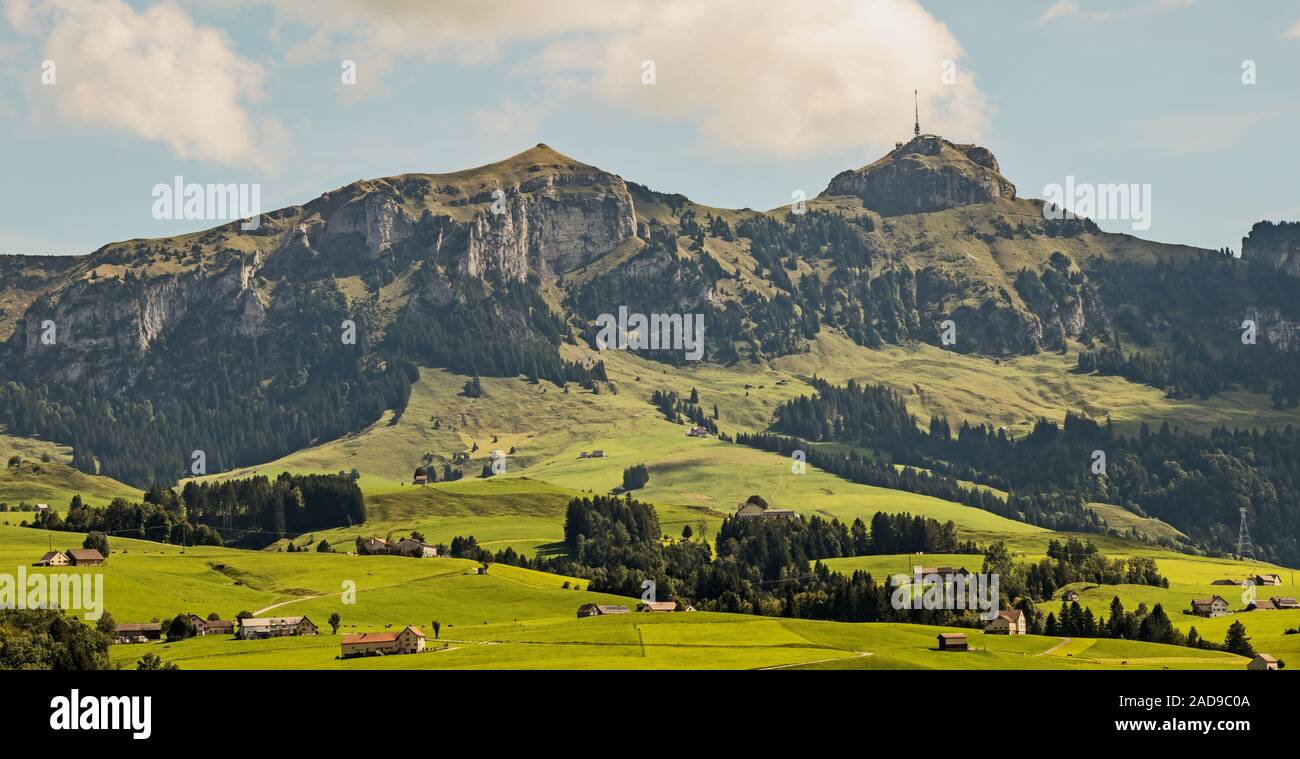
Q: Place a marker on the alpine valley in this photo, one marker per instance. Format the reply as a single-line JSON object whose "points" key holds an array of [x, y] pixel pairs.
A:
{"points": [[917, 360]]}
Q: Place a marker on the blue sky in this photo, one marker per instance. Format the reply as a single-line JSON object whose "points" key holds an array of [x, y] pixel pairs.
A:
{"points": [[751, 100]]}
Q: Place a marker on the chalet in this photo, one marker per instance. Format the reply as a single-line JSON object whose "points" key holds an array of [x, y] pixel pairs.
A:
{"points": [[953, 642], [86, 557], [1285, 602], [42, 508], [697, 431], [597, 455], [212, 626], [755, 511], [252, 628], [946, 573], [657, 606], [137, 632], [416, 548], [409, 641], [596, 610], [1215, 606], [53, 559], [1262, 661], [1225, 581], [1007, 623], [421, 479], [1070, 595], [374, 545], [1268, 580], [1262, 605], [584, 455]]}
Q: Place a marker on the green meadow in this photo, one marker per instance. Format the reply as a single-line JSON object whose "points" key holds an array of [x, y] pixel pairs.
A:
{"points": [[520, 618]]}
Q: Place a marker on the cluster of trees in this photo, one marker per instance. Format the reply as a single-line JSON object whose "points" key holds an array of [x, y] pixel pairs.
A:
{"points": [[761, 566], [635, 477], [676, 410], [1197, 482], [255, 511]]}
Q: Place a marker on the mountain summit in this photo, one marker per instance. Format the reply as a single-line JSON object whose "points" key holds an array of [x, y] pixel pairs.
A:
{"points": [[926, 173]]}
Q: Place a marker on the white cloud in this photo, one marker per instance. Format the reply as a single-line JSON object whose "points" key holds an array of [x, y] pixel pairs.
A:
{"points": [[1294, 32], [1072, 9], [155, 74], [776, 78]]}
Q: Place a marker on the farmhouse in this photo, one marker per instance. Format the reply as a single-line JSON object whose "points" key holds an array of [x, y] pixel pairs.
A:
{"points": [[1263, 605], [409, 641], [596, 610], [1070, 595], [86, 557], [953, 642], [52, 559], [1285, 602], [137, 632], [597, 455], [1226, 581], [416, 548], [947, 573], [374, 545], [1268, 580], [1262, 661], [750, 510], [421, 479], [1215, 606], [657, 606], [212, 626], [1007, 623], [697, 431], [252, 628]]}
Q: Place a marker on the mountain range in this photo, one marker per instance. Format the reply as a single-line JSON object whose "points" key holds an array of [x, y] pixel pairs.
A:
{"points": [[237, 342]]}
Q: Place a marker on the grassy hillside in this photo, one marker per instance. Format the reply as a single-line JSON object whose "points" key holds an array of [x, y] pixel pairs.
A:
{"points": [[1189, 577], [55, 483], [508, 618]]}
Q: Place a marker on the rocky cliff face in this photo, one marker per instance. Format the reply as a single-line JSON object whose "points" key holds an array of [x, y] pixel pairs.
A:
{"points": [[103, 331], [1274, 244], [551, 225], [926, 174]]}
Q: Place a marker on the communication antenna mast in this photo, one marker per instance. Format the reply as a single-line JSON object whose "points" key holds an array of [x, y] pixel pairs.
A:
{"points": [[916, 104], [1245, 547]]}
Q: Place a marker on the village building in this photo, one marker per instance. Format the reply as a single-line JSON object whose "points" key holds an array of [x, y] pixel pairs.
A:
{"points": [[137, 632], [697, 431], [1070, 595], [1284, 602], [947, 573], [86, 557], [253, 628], [416, 548], [52, 559], [597, 455], [750, 510], [1215, 606], [421, 479], [212, 626], [409, 641], [1225, 581], [1010, 622], [657, 606], [596, 610], [1262, 661], [1268, 580], [374, 545], [953, 642], [1262, 605]]}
